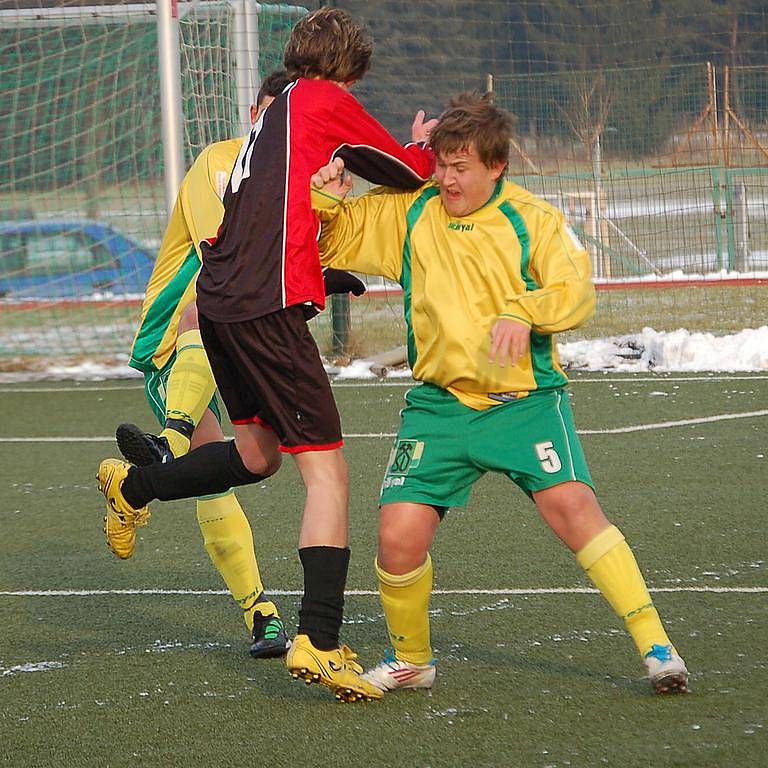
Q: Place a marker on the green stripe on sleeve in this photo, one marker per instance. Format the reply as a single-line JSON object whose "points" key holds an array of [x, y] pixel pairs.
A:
{"points": [[412, 216], [161, 312], [544, 371]]}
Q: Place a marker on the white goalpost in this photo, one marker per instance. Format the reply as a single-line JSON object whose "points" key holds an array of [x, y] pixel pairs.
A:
{"points": [[103, 107], [244, 53]]}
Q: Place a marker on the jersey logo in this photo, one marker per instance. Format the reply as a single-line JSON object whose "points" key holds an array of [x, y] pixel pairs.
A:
{"points": [[405, 456], [460, 226]]}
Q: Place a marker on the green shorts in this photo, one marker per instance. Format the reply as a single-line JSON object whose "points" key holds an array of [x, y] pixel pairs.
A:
{"points": [[443, 447], [155, 387]]}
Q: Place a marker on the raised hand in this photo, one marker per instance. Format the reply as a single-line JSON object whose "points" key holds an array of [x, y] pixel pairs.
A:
{"points": [[420, 130], [332, 178]]}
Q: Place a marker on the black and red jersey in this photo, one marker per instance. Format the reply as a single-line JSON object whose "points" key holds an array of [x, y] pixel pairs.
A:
{"points": [[265, 257]]}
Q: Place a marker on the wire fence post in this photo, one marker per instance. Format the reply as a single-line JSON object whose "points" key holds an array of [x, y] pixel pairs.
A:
{"points": [[340, 324], [741, 226]]}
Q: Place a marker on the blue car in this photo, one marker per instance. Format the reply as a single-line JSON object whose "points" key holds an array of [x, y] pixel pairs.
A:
{"points": [[69, 260]]}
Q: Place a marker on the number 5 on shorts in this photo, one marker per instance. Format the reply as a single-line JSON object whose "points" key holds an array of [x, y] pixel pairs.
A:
{"points": [[550, 461]]}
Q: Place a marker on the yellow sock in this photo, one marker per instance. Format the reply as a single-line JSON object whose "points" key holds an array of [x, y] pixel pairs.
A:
{"points": [[405, 600], [610, 564], [228, 538], [178, 443], [189, 390]]}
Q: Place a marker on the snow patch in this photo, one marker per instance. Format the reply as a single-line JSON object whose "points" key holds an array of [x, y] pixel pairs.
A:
{"points": [[649, 350], [39, 666], [669, 351]]}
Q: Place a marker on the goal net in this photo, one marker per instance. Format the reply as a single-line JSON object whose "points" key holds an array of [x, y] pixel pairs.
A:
{"points": [[82, 206], [646, 124]]}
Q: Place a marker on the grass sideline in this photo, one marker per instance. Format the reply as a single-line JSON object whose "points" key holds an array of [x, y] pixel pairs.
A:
{"points": [[532, 679]]}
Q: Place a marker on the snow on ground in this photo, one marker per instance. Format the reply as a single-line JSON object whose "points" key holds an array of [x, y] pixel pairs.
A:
{"points": [[672, 272], [40, 666], [649, 350], [92, 371], [680, 276], [668, 351], [83, 371]]}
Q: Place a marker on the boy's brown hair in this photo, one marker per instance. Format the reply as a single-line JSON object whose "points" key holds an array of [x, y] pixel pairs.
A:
{"points": [[472, 119], [273, 85], [328, 44]]}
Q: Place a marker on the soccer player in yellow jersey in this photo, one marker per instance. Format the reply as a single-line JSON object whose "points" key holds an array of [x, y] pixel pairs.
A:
{"points": [[179, 384], [489, 273]]}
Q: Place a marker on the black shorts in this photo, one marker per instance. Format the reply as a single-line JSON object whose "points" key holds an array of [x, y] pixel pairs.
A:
{"points": [[268, 371]]}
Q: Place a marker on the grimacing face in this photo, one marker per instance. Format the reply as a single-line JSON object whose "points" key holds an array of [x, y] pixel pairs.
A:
{"points": [[466, 182]]}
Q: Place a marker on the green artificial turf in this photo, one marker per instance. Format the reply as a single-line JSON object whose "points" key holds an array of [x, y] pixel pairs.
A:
{"points": [[525, 679]]}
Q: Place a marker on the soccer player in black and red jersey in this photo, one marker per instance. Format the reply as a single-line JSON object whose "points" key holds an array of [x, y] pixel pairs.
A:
{"points": [[260, 281]]}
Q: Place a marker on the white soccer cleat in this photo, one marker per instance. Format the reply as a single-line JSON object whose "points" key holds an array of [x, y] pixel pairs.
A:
{"points": [[666, 670], [392, 674]]}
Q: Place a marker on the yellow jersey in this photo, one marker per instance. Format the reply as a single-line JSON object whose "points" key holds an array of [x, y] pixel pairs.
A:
{"points": [[196, 217], [513, 257]]}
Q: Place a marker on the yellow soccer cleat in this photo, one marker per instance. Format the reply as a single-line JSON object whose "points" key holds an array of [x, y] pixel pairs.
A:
{"points": [[121, 519], [336, 669]]}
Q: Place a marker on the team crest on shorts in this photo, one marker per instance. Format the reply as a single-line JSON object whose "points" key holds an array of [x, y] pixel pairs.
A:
{"points": [[405, 456]]}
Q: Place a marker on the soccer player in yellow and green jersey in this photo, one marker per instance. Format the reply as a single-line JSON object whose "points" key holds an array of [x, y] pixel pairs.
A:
{"points": [[179, 383], [489, 273]]}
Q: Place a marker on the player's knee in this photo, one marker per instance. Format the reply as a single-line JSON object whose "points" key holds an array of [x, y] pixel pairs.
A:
{"points": [[325, 471], [259, 463], [390, 542], [570, 508], [338, 473], [188, 320], [399, 549]]}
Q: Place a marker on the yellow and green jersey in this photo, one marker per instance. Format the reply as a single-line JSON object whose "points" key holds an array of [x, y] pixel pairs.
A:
{"points": [[196, 217], [514, 257]]}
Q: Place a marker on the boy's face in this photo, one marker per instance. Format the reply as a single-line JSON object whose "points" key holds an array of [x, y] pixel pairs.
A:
{"points": [[466, 182]]}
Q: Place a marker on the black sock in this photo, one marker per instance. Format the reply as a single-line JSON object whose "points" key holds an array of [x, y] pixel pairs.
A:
{"points": [[211, 468], [185, 428], [322, 607]]}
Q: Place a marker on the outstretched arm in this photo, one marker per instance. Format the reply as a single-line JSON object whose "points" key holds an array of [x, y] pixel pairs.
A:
{"points": [[370, 151], [332, 178], [364, 234]]}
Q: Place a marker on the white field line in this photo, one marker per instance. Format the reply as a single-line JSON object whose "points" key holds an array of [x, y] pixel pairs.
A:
{"points": [[661, 379], [381, 435], [6, 390], [666, 424], [111, 438], [363, 592], [406, 382]]}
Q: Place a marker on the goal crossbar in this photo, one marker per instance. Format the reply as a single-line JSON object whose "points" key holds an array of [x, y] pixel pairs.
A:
{"points": [[134, 12]]}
